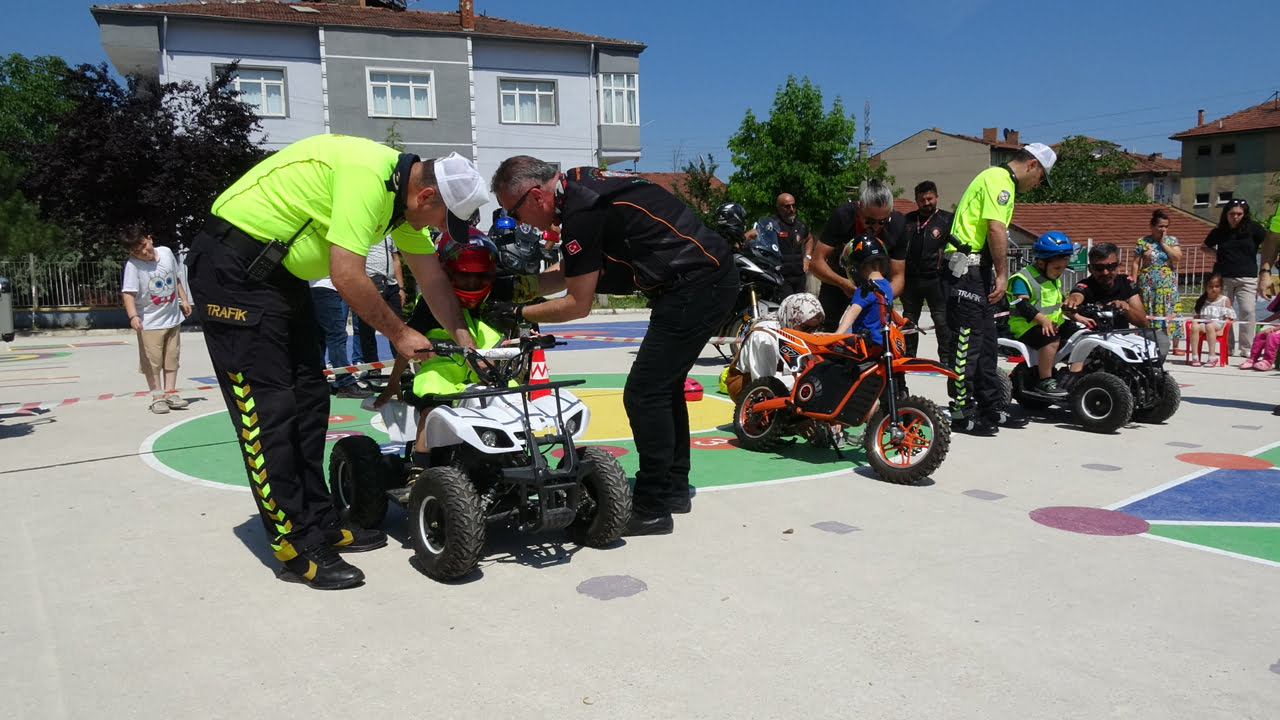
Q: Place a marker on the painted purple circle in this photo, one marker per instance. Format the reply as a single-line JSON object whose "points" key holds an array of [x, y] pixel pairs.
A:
{"points": [[336, 435], [1090, 521], [613, 450]]}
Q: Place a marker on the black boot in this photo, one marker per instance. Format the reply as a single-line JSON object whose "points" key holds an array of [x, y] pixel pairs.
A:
{"points": [[642, 523], [322, 568]]}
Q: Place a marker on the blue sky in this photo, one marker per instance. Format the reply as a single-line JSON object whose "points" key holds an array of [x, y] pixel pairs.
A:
{"points": [[1127, 70]]}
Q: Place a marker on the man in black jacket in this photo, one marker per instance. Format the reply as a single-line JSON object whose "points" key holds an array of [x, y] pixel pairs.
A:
{"points": [[619, 233], [927, 230], [871, 213]]}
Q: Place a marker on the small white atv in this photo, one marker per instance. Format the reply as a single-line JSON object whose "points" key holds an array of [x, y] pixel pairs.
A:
{"points": [[489, 447], [1123, 376]]}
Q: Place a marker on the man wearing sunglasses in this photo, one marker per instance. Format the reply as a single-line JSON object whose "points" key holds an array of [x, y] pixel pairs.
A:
{"points": [[1109, 287], [976, 272], [620, 233], [872, 214]]}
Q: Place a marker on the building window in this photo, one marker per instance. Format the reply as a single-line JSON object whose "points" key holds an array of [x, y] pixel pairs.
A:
{"points": [[930, 145], [1225, 197], [1159, 191], [528, 101], [1129, 184], [619, 99], [1202, 150], [1202, 200], [395, 93], [1227, 149], [263, 88]]}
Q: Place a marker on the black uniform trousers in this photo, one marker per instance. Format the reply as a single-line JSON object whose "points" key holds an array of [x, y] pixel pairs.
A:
{"points": [[976, 392], [916, 291], [264, 343], [680, 324]]}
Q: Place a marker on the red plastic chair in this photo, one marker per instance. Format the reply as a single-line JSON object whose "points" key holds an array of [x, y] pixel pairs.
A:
{"points": [[1224, 342]]}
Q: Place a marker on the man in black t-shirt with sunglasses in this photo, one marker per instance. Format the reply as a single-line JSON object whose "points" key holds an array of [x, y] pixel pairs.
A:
{"points": [[1106, 286]]}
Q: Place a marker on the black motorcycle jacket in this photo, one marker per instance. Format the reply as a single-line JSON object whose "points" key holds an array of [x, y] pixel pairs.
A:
{"points": [[635, 234]]}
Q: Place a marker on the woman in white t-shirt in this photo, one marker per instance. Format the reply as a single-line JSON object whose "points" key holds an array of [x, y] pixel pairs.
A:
{"points": [[156, 303]]}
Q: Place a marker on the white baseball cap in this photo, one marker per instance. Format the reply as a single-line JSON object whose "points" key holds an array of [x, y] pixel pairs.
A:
{"points": [[1045, 155], [461, 186]]}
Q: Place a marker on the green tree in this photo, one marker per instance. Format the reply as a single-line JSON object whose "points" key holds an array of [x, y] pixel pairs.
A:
{"points": [[801, 149], [394, 139], [1088, 171], [144, 152], [700, 190], [33, 100]]}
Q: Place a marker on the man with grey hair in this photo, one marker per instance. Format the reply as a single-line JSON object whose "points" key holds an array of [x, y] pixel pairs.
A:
{"points": [[619, 233], [871, 213]]}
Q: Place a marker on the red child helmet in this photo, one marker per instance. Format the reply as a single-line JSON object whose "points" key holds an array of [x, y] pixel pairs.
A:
{"points": [[471, 266]]}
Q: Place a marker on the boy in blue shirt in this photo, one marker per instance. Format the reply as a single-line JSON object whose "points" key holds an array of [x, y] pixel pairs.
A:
{"points": [[865, 261]]}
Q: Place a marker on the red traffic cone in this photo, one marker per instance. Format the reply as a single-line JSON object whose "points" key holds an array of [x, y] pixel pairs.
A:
{"points": [[538, 374]]}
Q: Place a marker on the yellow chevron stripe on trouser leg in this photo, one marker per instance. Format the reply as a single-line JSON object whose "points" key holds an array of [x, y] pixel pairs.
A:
{"points": [[255, 463]]}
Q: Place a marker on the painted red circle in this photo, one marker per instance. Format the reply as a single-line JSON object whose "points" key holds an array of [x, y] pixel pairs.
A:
{"points": [[1090, 521], [713, 442], [613, 450], [1226, 461], [336, 419]]}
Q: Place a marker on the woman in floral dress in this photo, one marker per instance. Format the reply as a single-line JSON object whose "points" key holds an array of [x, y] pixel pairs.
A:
{"points": [[1155, 267]]}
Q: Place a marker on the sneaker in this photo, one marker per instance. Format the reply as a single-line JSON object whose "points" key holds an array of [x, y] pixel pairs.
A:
{"points": [[644, 524], [1006, 419], [358, 539], [352, 392], [1275, 410], [969, 426], [1247, 365], [159, 406], [322, 568], [175, 402], [1049, 386]]}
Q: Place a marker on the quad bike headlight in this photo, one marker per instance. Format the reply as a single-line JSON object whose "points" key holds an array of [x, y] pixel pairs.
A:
{"points": [[489, 438]]}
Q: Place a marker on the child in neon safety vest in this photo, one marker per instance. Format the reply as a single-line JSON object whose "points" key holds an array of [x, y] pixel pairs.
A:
{"points": [[1035, 300]]}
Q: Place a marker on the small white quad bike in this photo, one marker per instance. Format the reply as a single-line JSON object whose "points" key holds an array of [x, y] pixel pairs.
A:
{"points": [[489, 464], [1123, 376]]}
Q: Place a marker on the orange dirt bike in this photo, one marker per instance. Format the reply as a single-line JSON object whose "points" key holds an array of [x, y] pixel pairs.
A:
{"points": [[845, 380]]}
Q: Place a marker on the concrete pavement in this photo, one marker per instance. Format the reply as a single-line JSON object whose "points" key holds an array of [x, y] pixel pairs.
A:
{"points": [[130, 593]]}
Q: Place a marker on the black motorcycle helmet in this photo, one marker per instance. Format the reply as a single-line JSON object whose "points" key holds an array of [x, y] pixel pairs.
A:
{"points": [[731, 221], [862, 252]]}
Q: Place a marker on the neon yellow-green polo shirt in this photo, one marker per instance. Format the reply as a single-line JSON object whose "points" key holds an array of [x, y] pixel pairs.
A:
{"points": [[339, 183], [1275, 225], [989, 197]]}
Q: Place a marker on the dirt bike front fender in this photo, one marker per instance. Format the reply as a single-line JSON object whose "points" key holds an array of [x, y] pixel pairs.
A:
{"points": [[910, 364]]}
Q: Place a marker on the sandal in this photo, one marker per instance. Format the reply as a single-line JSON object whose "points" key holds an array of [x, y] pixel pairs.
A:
{"points": [[1194, 362], [1211, 363]]}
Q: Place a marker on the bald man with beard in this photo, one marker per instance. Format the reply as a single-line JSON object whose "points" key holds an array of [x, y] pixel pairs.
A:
{"points": [[795, 243]]}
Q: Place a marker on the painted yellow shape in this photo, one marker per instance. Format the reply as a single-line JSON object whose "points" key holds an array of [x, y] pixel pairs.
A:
{"points": [[609, 417]]}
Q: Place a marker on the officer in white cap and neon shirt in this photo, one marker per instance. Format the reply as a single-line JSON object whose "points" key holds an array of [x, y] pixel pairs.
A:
{"points": [[313, 209]]}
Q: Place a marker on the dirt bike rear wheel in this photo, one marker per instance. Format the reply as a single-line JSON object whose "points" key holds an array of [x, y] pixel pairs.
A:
{"points": [[927, 438], [756, 430]]}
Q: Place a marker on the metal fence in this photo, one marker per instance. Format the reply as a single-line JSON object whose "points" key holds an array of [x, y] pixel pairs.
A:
{"points": [[40, 285]]}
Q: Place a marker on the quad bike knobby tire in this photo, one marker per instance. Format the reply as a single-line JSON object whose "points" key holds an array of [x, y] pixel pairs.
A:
{"points": [[604, 506], [356, 481], [446, 524], [759, 431], [927, 438], [1166, 406], [1101, 402], [1006, 387], [1025, 377]]}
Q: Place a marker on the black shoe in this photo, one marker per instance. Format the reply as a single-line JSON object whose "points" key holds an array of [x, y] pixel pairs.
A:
{"points": [[353, 392], [1275, 410], [1050, 387], [358, 539], [644, 524], [969, 426], [1006, 419], [321, 568]]}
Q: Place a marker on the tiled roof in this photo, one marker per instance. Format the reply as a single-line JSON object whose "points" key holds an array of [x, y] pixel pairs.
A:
{"points": [[1258, 117], [329, 14], [997, 143], [905, 205], [1119, 224], [668, 180], [1154, 163]]}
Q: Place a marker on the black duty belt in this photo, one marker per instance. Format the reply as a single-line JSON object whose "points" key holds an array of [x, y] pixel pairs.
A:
{"points": [[233, 237]]}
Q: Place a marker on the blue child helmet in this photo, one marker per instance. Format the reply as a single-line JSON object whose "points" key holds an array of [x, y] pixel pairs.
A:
{"points": [[1053, 244]]}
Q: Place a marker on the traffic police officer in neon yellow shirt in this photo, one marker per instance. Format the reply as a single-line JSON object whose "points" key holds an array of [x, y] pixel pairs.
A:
{"points": [[1268, 250], [313, 209], [976, 274]]}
